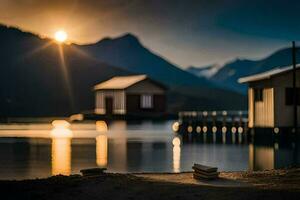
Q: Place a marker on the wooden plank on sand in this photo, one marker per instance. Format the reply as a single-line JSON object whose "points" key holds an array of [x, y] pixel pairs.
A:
{"points": [[199, 177], [205, 168], [206, 173]]}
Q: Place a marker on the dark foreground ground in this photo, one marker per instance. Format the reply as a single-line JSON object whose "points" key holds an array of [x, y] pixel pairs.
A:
{"points": [[275, 184]]}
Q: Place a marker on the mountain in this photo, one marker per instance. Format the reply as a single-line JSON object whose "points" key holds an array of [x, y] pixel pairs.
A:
{"points": [[206, 71], [128, 53], [228, 75], [36, 79], [33, 80]]}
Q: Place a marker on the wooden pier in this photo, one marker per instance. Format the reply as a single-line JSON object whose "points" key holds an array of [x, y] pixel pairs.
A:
{"points": [[195, 122]]}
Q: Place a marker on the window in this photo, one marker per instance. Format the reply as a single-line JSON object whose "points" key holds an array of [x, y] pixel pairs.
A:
{"points": [[258, 94], [147, 101], [289, 96]]}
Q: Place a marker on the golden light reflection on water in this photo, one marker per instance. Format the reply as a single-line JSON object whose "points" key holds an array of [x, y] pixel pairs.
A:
{"points": [[261, 158], [61, 149], [101, 150], [61, 156], [214, 137], [61, 133], [176, 154], [101, 126], [223, 137], [119, 125], [61, 129]]}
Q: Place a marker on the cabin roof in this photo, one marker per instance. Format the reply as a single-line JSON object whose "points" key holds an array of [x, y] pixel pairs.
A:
{"points": [[120, 82], [267, 74]]}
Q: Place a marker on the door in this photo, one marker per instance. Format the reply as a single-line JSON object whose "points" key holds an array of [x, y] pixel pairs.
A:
{"points": [[109, 105]]}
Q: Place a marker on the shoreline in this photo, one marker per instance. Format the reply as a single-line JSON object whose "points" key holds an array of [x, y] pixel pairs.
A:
{"points": [[272, 179], [273, 184]]}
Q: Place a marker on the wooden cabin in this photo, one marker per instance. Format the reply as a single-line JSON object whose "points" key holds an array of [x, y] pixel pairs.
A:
{"points": [[270, 97], [130, 95]]}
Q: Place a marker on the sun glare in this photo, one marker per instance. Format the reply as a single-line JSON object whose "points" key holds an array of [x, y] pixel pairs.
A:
{"points": [[60, 36]]}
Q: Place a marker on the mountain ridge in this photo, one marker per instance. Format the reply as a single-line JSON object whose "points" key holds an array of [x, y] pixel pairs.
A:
{"points": [[111, 51], [33, 75], [231, 71], [206, 71]]}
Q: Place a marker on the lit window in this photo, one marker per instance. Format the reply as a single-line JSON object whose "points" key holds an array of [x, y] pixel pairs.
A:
{"points": [[147, 101]]}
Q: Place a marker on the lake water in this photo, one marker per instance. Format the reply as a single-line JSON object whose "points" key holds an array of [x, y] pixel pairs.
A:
{"points": [[39, 150]]}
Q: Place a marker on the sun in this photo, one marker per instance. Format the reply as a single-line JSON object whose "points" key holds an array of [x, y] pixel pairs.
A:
{"points": [[61, 36]]}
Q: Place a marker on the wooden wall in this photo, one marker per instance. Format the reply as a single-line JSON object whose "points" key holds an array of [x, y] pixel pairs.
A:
{"points": [[283, 114], [128, 100], [133, 104], [119, 101], [145, 87], [261, 113], [250, 107]]}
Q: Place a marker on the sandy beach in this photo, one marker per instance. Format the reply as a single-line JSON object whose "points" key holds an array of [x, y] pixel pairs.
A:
{"points": [[273, 184]]}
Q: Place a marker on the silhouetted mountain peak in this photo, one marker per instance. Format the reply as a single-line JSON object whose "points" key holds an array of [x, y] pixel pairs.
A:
{"points": [[129, 37], [235, 69], [125, 40], [106, 39], [128, 53], [13, 30]]}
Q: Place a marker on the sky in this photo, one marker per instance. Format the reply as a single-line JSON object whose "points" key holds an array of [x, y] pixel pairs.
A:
{"points": [[186, 32]]}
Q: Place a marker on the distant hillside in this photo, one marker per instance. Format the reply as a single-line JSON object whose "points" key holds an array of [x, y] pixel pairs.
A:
{"points": [[228, 75], [32, 79], [205, 72], [128, 53]]}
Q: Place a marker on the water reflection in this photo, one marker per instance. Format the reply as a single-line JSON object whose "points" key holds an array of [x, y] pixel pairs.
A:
{"points": [[240, 138], [204, 137], [128, 147], [61, 148], [134, 155], [118, 147], [101, 150], [223, 136], [214, 137], [176, 154], [233, 136], [61, 156], [273, 155], [101, 126], [265, 151], [61, 129], [261, 158]]}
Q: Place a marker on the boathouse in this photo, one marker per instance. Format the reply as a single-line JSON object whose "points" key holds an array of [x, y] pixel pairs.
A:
{"points": [[130, 95], [270, 97]]}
